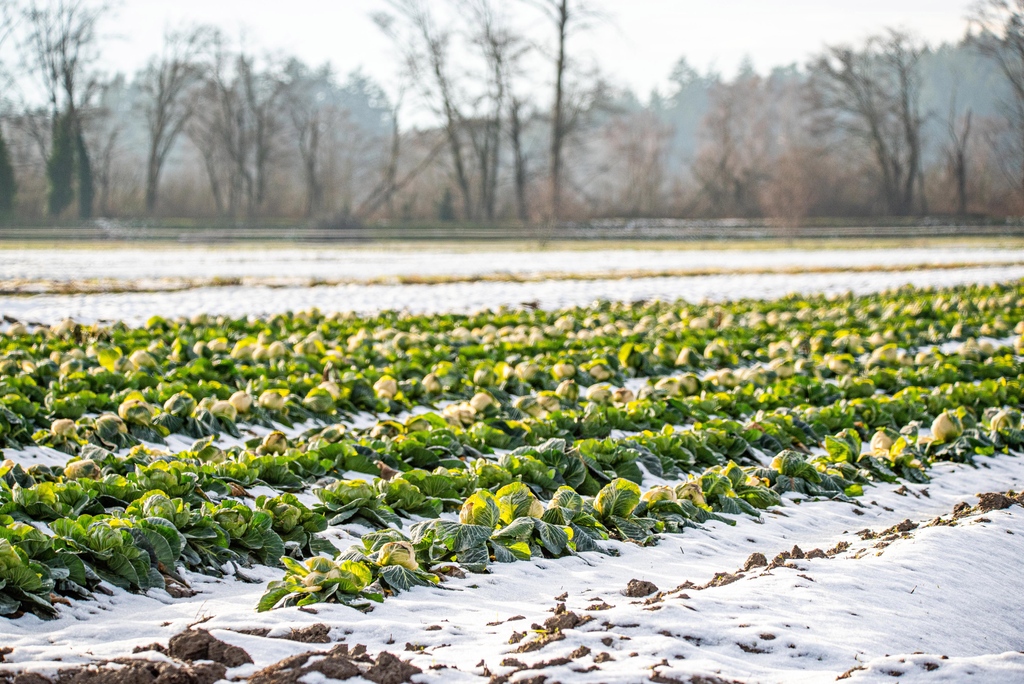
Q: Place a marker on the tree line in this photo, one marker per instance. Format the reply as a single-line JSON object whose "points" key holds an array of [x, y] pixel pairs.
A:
{"points": [[521, 126]]}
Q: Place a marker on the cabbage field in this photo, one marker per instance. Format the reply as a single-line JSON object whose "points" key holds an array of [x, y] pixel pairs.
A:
{"points": [[797, 487]]}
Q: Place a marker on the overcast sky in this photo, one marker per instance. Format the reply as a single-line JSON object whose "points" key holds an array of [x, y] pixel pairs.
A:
{"points": [[636, 45]]}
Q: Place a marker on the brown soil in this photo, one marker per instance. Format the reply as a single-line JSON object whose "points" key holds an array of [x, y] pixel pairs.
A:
{"points": [[639, 588], [755, 560], [198, 644], [129, 672], [311, 634]]}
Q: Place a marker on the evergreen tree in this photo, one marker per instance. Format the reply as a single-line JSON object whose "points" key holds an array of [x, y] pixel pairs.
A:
{"points": [[60, 167], [86, 190], [8, 186], [446, 208]]}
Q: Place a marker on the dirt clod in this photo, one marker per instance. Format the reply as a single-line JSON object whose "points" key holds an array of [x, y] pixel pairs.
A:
{"points": [[539, 643], [849, 673], [155, 646], [177, 590], [390, 669], [31, 678], [639, 588], [536, 679], [141, 672], [993, 501], [198, 644], [336, 665], [838, 549], [905, 526], [721, 579], [554, 662], [751, 648], [660, 678], [755, 560], [563, 619], [311, 634], [580, 652]]}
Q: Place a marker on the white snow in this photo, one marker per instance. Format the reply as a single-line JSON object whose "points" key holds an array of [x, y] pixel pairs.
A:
{"points": [[136, 307], [356, 264]]}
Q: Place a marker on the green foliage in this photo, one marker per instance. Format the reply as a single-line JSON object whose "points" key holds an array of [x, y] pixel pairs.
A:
{"points": [[86, 191], [319, 580], [832, 393], [8, 184], [60, 167]]}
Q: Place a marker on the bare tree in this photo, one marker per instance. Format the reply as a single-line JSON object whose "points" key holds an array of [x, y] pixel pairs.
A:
{"points": [[638, 143], [167, 84], [1000, 26], [567, 17], [517, 120], [61, 44], [8, 183], [305, 103], [105, 123], [500, 47], [426, 51], [322, 134], [958, 134], [237, 130], [7, 24], [873, 95], [735, 156], [262, 94]]}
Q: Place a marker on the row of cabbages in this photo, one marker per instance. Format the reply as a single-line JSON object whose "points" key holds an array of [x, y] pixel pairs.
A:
{"points": [[734, 392], [202, 396], [139, 521], [125, 515]]}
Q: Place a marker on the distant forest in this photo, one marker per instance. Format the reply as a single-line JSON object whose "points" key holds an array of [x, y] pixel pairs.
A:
{"points": [[210, 130]]}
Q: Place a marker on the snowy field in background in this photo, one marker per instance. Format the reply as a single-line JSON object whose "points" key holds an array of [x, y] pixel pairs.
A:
{"points": [[357, 264], [475, 296]]}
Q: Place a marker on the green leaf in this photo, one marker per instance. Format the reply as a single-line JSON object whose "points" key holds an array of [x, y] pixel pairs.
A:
{"points": [[618, 498], [401, 578], [516, 501]]}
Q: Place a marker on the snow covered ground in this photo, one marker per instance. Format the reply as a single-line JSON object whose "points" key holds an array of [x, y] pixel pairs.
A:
{"points": [[936, 604], [361, 264], [136, 307]]}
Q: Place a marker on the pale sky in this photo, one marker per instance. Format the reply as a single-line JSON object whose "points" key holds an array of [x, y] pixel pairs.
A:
{"points": [[636, 45]]}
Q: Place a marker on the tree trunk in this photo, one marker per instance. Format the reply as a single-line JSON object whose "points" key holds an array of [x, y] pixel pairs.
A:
{"points": [[518, 160], [152, 182], [558, 113]]}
